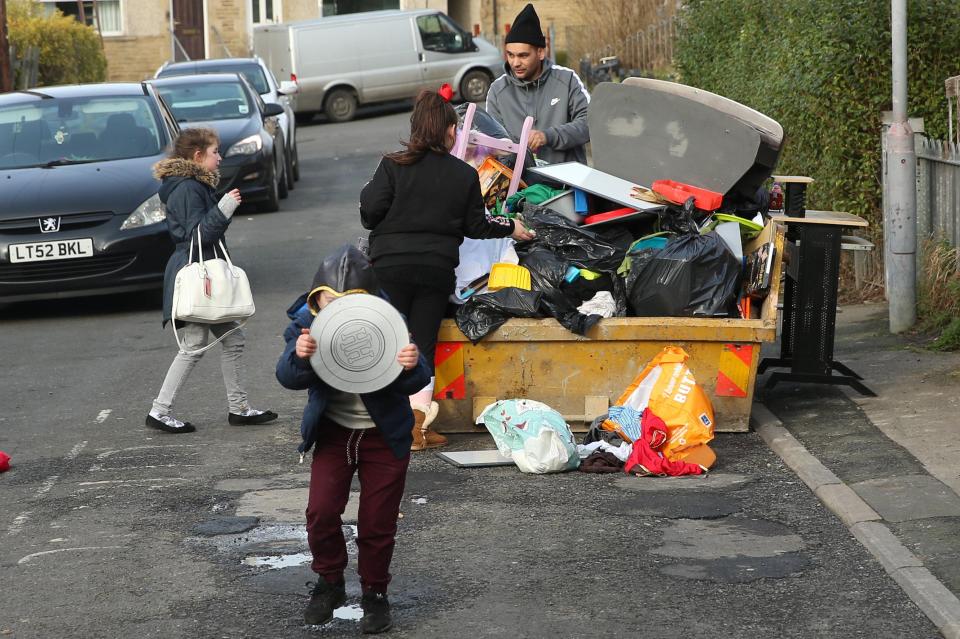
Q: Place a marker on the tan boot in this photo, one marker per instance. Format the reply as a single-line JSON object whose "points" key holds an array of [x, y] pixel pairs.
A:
{"points": [[423, 437], [432, 439], [419, 441]]}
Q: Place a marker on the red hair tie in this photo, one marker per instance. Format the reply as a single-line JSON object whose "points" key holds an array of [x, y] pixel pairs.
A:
{"points": [[446, 92]]}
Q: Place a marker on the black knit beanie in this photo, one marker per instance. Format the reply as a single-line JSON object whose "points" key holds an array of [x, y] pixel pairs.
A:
{"points": [[526, 29]]}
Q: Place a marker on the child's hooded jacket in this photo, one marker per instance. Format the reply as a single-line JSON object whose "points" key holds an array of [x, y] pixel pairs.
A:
{"points": [[347, 270]]}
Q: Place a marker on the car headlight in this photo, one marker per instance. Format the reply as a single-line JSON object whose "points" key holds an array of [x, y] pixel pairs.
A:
{"points": [[151, 211], [246, 146]]}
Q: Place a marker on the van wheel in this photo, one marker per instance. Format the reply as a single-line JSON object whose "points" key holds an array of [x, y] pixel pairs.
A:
{"points": [[340, 105], [474, 86]]}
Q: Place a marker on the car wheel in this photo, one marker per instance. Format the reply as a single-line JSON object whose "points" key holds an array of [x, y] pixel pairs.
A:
{"points": [[340, 105], [282, 190], [304, 117], [474, 86], [273, 197], [288, 169], [296, 160]]}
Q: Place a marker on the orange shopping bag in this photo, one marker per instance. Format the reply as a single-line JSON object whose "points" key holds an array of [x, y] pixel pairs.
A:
{"points": [[668, 388]]}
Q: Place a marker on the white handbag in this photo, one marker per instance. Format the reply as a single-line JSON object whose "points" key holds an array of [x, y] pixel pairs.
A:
{"points": [[211, 292]]}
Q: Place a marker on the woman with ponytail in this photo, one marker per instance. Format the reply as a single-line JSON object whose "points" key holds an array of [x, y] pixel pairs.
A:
{"points": [[419, 206]]}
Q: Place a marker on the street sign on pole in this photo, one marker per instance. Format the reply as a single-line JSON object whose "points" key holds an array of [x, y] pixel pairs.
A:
{"points": [[6, 75]]}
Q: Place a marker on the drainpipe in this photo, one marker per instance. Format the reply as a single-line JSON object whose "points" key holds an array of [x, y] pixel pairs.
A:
{"points": [[900, 225]]}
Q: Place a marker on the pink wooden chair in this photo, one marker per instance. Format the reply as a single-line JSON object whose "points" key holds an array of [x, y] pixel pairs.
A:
{"points": [[465, 136]]}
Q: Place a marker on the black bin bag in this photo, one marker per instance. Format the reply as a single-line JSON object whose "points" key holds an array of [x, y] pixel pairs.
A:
{"points": [[692, 276], [570, 242], [483, 314]]}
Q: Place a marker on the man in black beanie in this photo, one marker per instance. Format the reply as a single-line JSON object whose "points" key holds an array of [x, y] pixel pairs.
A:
{"points": [[533, 85]]}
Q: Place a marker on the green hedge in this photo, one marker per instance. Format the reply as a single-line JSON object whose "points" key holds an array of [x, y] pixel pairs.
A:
{"points": [[70, 52], [822, 69]]}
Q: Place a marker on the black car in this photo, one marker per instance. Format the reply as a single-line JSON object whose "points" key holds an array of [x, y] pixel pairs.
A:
{"points": [[261, 79], [251, 141], [79, 211]]}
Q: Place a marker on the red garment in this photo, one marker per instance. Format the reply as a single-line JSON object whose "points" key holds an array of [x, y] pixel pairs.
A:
{"points": [[645, 460], [338, 455], [4, 462]]}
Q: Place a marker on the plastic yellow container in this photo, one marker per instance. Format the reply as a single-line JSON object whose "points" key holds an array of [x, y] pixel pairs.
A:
{"points": [[506, 275]]}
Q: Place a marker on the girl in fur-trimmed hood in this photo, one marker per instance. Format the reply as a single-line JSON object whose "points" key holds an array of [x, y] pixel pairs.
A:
{"points": [[189, 177]]}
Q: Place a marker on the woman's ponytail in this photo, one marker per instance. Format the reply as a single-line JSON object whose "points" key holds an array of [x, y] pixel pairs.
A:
{"points": [[432, 116]]}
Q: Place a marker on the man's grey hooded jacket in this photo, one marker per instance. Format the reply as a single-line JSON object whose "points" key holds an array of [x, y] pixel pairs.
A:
{"points": [[558, 102]]}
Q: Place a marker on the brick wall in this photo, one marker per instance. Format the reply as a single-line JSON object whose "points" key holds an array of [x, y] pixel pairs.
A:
{"points": [[229, 18], [561, 13], [131, 59], [294, 10]]}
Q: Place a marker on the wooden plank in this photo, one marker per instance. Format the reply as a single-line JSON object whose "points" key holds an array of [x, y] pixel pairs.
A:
{"points": [[834, 218], [797, 179]]}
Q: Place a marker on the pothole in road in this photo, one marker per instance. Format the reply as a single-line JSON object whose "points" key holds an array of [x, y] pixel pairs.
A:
{"points": [[258, 535], [275, 562], [732, 550]]}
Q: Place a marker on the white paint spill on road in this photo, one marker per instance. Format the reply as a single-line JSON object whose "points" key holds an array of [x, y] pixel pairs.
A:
{"points": [[18, 523], [75, 451], [102, 417], [353, 612], [33, 556], [97, 467], [276, 562], [46, 486], [129, 481], [419, 500], [108, 453]]}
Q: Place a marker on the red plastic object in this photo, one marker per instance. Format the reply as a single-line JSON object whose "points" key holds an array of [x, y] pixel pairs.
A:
{"points": [[4, 462], [610, 215], [678, 193]]}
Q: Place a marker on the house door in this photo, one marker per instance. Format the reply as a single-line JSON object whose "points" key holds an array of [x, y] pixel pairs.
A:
{"points": [[188, 27]]}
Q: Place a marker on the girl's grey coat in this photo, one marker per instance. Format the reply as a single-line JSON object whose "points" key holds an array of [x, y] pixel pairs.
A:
{"points": [[188, 193]]}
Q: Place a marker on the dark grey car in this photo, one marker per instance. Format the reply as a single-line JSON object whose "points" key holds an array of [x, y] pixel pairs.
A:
{"points": [[251, 141], [79, 212]]}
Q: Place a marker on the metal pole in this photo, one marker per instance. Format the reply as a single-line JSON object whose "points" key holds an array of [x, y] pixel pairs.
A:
{"points": [[173, 37], [900, 225], [6, 74]]}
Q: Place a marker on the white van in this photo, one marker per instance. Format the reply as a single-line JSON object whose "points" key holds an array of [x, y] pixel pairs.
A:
{"points": [[343, 61]]}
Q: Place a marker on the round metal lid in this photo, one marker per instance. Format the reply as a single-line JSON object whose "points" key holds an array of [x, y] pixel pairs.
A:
{"points": [[358, 338]]}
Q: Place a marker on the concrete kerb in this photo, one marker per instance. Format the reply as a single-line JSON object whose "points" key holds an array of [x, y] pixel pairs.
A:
{"points": [[936, 601]]}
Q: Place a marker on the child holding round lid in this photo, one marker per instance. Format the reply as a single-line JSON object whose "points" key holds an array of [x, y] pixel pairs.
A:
{"points": [[368, 434]]}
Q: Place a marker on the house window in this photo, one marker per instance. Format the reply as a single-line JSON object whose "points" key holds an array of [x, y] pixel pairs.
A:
{"points": [[266, 11], [108, 11]]}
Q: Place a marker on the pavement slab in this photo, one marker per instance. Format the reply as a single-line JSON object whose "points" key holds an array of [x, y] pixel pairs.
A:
{"points": [[937, 543], [909, 497]]}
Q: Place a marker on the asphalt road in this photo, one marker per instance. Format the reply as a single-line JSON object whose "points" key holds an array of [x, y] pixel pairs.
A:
{"points": [[111, 530]]}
